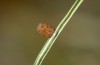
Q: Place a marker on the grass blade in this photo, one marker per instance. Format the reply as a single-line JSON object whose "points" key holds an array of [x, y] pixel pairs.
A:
{"points": [[58, 30]]}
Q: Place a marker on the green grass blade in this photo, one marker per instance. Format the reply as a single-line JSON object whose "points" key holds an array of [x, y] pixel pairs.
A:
{"points": [[58, 30]]}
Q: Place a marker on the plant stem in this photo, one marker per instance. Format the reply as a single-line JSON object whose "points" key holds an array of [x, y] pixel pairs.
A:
{"points": [[58, 30]]}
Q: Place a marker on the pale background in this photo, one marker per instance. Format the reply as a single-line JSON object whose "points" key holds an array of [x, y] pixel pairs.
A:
{"points": [[78, 44]]}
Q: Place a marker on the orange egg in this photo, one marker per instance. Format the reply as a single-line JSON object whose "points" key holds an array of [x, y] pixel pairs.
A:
{"points": [[45, 29]]}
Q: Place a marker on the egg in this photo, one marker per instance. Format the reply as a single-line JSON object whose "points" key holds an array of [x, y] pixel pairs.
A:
{"points": [[45, 29]]}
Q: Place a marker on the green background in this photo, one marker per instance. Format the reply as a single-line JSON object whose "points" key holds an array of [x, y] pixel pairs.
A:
{"points": [[78, 44]]}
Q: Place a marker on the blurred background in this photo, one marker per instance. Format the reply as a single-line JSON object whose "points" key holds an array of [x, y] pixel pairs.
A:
{"points": [[78, 44]]}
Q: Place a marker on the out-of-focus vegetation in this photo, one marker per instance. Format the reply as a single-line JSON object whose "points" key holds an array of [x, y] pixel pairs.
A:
{"points": [[78, 44]]}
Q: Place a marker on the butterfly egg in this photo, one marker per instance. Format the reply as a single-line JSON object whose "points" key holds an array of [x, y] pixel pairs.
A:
{"points": [[45, 29]]}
